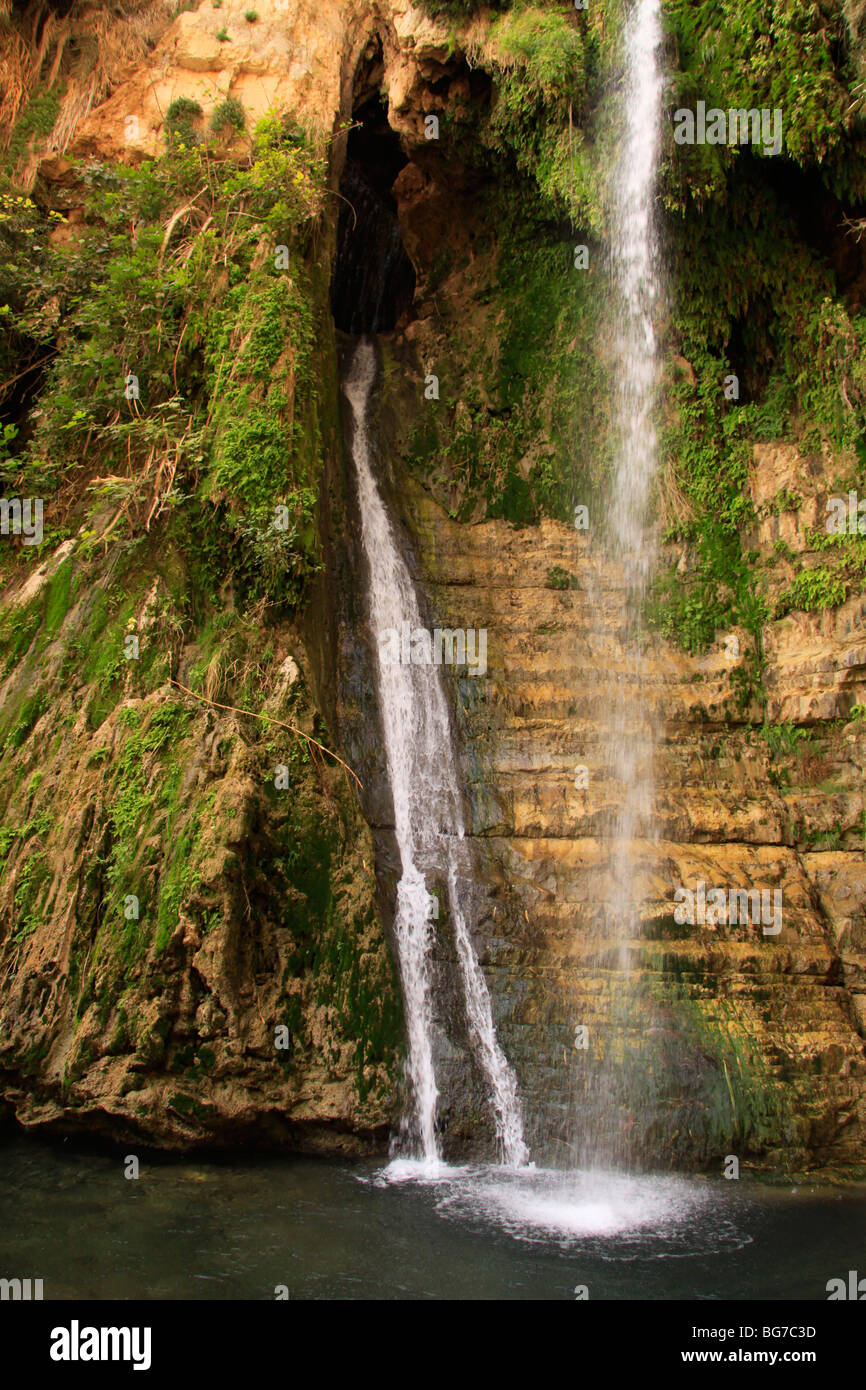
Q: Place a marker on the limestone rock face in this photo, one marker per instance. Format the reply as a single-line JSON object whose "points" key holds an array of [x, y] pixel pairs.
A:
{"points": [[705, 1038], [298, 56], [796, 999]]}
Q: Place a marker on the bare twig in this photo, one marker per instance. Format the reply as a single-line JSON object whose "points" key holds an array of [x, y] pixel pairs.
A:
{"points": [[33, 365], [292, 728], [348, 205], [172, 223]]}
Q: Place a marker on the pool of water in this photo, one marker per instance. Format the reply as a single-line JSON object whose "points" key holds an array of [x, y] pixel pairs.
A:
{"points": [[239, 1228]]}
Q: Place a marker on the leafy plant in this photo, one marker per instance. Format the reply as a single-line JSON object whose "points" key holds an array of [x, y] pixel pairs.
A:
{"points": [[812, 591], [180, 119], [559, 578], [229, 113]]}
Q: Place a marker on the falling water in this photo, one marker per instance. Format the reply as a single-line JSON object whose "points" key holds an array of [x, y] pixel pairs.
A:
{"points": [[616, 1081], [635, 260], [634, 254], [635, 257], [428, 818]]}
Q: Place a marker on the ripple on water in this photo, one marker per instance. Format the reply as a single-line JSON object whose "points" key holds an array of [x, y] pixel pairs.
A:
{"points": [[619, 1216]]}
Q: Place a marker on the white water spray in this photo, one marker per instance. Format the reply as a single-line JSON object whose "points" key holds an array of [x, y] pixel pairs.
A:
{"points": [[428, 819], [635, 257], [614, 1084], [635, 264]]}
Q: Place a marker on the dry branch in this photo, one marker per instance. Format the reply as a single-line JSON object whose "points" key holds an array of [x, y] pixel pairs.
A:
{"points": [[251, 714]]}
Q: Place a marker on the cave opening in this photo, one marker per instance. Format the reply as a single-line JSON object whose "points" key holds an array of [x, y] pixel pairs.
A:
{"points": [[373, 283]]}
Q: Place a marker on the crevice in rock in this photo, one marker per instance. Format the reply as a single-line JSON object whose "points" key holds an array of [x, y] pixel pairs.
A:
{"points": [[373, 282]]}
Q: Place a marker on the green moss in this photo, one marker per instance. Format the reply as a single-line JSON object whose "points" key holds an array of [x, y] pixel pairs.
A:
{"points": [[710, 452], [33, 876], [35, 124], [191, 1108], [178, 875], [328, 954], [519, 387], [22, 716], [58, 598], [144, 799], [559, 578], [19, 624]]}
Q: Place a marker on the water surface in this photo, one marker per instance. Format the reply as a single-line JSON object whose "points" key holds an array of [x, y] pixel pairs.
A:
{"points": [[219, 1230]]}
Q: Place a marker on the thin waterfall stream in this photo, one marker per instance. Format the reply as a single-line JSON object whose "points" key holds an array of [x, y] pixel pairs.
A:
{"points": [[428, 818], [635, 262], [615, 1077]]}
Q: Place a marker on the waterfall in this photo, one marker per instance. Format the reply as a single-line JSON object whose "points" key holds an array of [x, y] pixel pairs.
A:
{"points": [[635, 265], [635, 259], [428, 819], [613, 1082]]}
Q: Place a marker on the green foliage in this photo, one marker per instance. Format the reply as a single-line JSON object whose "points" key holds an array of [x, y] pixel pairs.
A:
{"points": [[255, 434], [181, 119], [753, 294], [229, 114], [829, 839], [812, 591], [541, 63], [709, 445], [783, 740], [761, 53], [709, 450], [141, 292], [34, 124], [830, 584], [559, 578], [744, 1108], [461, 9]]}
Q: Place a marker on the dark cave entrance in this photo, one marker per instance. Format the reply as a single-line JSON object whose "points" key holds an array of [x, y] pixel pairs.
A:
{"points": [[374, 281]]}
